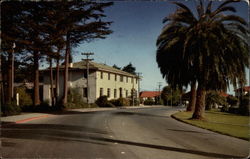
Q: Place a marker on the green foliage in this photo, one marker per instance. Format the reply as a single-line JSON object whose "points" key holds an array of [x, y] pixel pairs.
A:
{"points": [[129, 68], [169, 95], [213, 98], [75, 99], [25, 98], [149, 101], [11, 109], [136, 102], [232, 101], [115, 66], [120, 102], [102, 101], [244, 106]]}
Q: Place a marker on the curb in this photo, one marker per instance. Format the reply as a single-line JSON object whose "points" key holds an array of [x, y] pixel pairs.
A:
{"points": [[23, 120]]}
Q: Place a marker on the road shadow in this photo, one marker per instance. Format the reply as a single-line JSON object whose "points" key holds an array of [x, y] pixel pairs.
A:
{"points": [[188, 131], [125, 113], [66, 133]]}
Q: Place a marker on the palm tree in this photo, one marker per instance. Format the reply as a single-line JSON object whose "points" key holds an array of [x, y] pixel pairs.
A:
{"points": [[211, 46]]}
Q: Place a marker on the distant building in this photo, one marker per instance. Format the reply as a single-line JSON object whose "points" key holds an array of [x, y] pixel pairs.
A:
{"points": [[144, 95], [244, 91], [103, 80]]}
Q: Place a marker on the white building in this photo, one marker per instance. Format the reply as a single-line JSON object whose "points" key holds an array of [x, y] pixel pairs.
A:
{"points": [[103, 80]]}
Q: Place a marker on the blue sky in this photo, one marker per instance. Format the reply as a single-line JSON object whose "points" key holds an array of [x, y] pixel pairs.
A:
{"points": [[136, 26]]}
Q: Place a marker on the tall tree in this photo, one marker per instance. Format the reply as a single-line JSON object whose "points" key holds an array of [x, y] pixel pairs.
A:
{"points": [[208, 44], [81, 22], [129, 68], [10, 18]]}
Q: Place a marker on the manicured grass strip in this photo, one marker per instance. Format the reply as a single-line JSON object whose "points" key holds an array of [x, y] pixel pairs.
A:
{"points": [[225, 123]]}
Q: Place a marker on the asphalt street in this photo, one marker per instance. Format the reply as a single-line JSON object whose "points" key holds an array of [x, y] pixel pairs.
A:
{"points": [[145, 133]]}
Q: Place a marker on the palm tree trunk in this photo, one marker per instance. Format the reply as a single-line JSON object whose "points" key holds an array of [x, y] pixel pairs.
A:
{"points": [[66, 70], [36, 79], [200, 103], [57, 80], [192, 101], [51, 82]]}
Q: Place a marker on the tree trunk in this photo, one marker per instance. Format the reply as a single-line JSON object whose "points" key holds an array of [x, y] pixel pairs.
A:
{"points": [[57, 80], [192, 101], [36, 79], [1, 84], [10, 77], [51, 83], [200, 103], [66, 70]]}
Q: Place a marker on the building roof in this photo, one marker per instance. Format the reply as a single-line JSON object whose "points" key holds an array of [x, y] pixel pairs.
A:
{"points": [[245, 89], [95, 66], [146, 94]]}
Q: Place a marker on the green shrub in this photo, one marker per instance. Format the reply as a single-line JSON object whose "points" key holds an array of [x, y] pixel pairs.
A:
{"points": [[11, 109], [136, 102], [120, 102], [149, 101], [25, 98], [102, 101], [231, 100], [244, 106], [225, 108], [213, 98], [75, 99]]}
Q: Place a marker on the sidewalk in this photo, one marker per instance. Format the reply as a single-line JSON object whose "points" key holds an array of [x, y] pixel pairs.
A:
{"points": [[32, 116], [23, 117]]}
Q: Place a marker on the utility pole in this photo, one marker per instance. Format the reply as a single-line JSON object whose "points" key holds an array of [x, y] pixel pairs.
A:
{"points": [[139, 78], [12, 74], [87, 59], [159, 85]]}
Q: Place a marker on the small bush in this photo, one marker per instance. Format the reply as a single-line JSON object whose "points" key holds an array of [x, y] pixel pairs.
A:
{"points": [[136, 102], [149, 102], [120, 102], [75, 99], [225, 108], [11, 109], [102, 101], [231, 100], [244, 106]]}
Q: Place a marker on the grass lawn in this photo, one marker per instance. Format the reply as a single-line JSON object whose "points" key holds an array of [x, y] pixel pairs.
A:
{"points": [[225, 123]]}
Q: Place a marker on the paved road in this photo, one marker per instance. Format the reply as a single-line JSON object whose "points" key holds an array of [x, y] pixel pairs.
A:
{"points": [[148, 133]]}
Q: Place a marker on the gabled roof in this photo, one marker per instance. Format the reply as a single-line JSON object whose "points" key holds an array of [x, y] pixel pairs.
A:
{"points": [[146, 94], [95, 66]]}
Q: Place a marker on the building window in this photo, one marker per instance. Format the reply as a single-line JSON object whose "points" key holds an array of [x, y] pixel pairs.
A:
{"points": [[115, 77], [121, 78], [127, 79], [132, 80], [108, 76], [126, 93], [108, 92], [101, 92], [85, 92], [120, 89], [136, 80], [114, 93], [101, 75]]}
